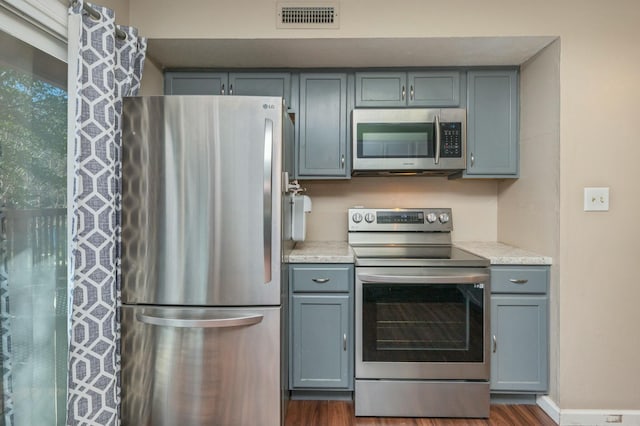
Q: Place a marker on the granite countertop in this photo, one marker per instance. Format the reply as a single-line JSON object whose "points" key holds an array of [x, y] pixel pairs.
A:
{"points": [[340, 252], [322, 252], [503, 254]]}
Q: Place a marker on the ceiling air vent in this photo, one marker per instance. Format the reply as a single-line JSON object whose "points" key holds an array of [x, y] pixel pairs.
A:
{"points": [[308, 15]]}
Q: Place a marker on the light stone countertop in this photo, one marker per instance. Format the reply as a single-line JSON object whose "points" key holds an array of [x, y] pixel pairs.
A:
{"points": [[321, 252], [340, 252], [503, 254]]}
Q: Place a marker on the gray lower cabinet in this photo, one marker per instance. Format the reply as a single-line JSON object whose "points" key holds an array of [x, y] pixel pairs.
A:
{"points": [[492, 124], [408, 89], [322, 146], [321, 341], [232, 83], [519, 329]]}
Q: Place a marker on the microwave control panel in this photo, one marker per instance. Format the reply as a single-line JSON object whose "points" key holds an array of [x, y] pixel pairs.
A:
{"points": [[451, 140]]}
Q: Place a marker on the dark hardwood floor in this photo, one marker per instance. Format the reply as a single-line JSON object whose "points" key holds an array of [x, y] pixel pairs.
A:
{"points": [[340, 413]]}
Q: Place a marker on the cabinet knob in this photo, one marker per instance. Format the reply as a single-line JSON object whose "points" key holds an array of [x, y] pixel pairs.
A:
{"points": [[222, 90], [231, 89], [495, 344], [320, 280], [411, 92], [518, 281], [342, 161], [473, 159], [344, 342], [404, 93]]}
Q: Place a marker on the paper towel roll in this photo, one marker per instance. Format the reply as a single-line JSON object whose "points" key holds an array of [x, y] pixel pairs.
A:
{"points": [[301, 205]]}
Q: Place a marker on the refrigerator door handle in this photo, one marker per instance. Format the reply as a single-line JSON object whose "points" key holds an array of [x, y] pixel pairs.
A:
{"points": [[200, 322], [268, 148]]}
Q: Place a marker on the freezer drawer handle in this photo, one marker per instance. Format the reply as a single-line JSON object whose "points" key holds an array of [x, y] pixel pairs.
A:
{"points": [[200, 323], [424, 279]]}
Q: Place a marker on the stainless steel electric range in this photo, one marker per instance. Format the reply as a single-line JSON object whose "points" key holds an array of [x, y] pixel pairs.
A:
{"points": [[422, 317]]}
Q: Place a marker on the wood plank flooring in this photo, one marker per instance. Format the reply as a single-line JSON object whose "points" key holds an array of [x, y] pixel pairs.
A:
{"points": [[340, 413]]}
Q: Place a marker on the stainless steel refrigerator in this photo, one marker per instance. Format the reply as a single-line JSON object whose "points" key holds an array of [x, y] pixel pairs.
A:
{"points": [[203, 293]]}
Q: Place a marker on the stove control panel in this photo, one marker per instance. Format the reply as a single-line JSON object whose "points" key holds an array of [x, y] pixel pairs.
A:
{"points": [[404, 220]]}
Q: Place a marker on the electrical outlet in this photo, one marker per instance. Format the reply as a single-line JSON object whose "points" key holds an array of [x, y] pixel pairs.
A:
{"points": [[596, 199], [614, 418]]}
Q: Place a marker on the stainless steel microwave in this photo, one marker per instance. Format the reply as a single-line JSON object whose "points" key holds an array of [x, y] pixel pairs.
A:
{"points": [[409, 141]]}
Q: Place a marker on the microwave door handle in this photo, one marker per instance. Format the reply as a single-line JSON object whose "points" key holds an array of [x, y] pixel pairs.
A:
{"points": [[436, 124], [424, 279]]}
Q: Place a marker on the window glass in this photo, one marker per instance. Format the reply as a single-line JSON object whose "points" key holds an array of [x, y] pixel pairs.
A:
{"points": [[33, 246]]}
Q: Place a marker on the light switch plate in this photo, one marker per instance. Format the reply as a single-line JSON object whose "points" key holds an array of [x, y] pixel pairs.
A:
{"points": [[596, 199]]}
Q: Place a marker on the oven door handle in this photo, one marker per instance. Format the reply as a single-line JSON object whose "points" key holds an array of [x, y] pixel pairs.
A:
{"points": [[424, 279]]}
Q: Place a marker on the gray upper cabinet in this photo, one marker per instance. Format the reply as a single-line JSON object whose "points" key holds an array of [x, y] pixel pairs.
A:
{"points": [[261, 84], [412, 89], [519, 329], [194, 83], [232, 83], [492, 124], [322, 146]]}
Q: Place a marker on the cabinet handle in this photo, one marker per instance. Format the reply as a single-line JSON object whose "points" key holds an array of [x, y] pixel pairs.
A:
{"points": [[518, 281], [222, 91], [404, 93], [495, 344], [231, 89], [320, 280], [473, 159], [342, 161], [411, 92], [344, 342]]}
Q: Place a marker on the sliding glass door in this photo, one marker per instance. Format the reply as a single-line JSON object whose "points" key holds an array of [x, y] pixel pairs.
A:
{"points": [[33, 238]]}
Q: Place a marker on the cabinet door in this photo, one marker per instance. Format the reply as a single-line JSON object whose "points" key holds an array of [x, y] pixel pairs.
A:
{"points": [[381, 89], [261, 84], [434, 89], [321, 340], [322, 144], [519, 330], [492, 123], [195, 83]]}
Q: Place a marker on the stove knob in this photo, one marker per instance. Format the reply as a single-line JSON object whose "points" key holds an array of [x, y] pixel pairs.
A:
{"points": [[431, 217], [444, 218], [369, 217], [356, 217]]}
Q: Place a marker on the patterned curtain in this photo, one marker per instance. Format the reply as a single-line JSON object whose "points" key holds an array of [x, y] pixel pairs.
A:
{"points": [[5, 330], [108, 68]]}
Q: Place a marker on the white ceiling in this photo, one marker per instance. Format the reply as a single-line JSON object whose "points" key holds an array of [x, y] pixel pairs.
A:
{"points": [[344, 52]]}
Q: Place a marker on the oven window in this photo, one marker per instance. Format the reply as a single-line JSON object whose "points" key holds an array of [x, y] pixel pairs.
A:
{"points": [[404, 140], [422, 323]]}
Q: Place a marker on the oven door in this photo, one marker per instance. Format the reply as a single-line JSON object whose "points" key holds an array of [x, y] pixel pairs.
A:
{"points": [[422, 323]]}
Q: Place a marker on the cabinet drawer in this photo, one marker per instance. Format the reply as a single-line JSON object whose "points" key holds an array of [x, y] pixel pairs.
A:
{"points": [[322, 278], [521, 279]]}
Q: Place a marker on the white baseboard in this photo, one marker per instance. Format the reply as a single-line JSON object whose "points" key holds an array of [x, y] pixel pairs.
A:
{"points": [[600, 417], [588, 417], [549, 406]]}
